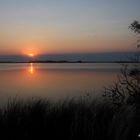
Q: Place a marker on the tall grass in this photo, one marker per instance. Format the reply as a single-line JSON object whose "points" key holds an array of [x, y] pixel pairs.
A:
{"points": [[69, 120]]}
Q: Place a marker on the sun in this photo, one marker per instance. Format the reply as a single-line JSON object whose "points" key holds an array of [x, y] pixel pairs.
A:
{"points": [[31, 54]]}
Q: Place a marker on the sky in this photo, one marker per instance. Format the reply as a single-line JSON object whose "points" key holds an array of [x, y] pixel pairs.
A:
{"points": [[67, 26]]}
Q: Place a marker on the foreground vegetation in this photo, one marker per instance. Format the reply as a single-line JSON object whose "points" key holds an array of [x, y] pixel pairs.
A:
{"points": [[70, 120]]}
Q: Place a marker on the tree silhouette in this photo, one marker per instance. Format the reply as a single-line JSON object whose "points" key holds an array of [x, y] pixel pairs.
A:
{"points": [[127, 89], [135, 26]]}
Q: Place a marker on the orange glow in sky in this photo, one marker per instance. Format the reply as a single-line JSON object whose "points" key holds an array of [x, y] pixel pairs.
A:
{"points": [[54, 27]]}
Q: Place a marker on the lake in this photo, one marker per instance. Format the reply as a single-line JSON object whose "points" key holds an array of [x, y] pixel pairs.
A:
{"points": [[55, 80]]}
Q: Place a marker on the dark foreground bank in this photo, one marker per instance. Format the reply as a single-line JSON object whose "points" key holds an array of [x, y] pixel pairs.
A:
{"points": [[69, 120]]}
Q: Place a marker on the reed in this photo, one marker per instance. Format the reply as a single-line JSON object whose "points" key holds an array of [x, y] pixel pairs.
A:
{"points": [[68, 119]]}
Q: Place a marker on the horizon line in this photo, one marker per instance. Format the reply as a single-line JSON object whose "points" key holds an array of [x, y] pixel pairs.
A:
{"points": [[75, 53]]}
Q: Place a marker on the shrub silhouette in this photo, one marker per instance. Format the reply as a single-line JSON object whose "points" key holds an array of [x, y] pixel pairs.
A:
{"points": [[127, 89]]}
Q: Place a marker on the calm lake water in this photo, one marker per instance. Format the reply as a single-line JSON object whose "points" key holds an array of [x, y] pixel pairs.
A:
{"points": [[55, 81]]}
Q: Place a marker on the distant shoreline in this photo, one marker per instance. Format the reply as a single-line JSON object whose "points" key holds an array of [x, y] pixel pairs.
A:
{"points": [[63, 61]]}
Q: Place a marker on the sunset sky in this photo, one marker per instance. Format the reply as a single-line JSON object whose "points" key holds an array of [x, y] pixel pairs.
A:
{"points": [[67, 26]]}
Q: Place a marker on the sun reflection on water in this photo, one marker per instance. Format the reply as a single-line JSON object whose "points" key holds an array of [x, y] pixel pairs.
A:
{"points": [[31, 68]]}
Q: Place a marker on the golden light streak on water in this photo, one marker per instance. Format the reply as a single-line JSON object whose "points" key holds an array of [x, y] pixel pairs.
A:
{"points": [[31, 68]]}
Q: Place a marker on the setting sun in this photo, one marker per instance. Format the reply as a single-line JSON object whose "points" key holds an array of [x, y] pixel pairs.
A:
{"points": [[31, 54]]}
